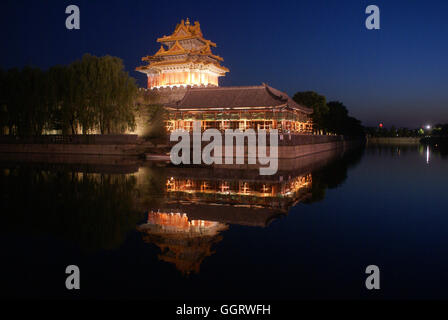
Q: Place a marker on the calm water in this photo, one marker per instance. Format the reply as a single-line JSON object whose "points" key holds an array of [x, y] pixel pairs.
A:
{"points": [[142, 230]]}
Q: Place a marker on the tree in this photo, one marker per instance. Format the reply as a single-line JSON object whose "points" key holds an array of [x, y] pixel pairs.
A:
{"points": [[440, 130], [24, 101], [119, 92], [106, 94], [4, 123], [335, 120], [316, 102], [33, 108], [91, 93], [66, 95]]}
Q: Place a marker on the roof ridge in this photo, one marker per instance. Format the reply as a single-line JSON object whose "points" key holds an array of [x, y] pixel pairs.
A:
{"points": [[262, 96], [276, 92], [286, 98], [227, 88], [177, 103]]}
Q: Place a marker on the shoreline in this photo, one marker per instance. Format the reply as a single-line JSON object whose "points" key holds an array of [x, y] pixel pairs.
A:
{"points": [[290, 147], [393, 140]]}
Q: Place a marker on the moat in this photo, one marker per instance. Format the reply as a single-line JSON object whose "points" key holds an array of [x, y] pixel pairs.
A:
{"points": [[140, 229]]}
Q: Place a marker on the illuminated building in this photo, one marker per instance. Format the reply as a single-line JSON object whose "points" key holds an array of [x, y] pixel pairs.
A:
{"points": [[251, 107], [184, 58], [183, 76]]}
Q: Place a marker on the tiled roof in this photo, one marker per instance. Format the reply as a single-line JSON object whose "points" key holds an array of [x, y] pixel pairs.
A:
{"points": [[236, 98]]}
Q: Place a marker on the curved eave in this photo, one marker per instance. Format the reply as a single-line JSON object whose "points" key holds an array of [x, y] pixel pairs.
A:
{"points": [[214, 56], [278, 108], [174, 39], [290, 103], [151, 58], [167, 54], [141, 69], [187, 62]]}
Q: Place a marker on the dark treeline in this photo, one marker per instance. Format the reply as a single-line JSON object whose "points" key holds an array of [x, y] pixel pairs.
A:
{"points": [[331, 117], [440, 130], [93, 94], [438, 139], [394, 132]]}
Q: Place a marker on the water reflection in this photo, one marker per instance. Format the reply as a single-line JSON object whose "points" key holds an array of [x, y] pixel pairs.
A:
{"points": [[184, 212], [199, 203], [92, 210], [149, 230], [428, 152], [182, 241], [239, 192]]}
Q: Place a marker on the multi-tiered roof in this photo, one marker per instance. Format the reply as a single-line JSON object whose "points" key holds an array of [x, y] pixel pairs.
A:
{"points": [[184, 58]]}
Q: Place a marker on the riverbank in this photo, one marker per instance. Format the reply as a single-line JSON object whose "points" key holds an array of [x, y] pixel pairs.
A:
{"points": [[73, 149], [289, 146], [393, 140], [99, 145]]}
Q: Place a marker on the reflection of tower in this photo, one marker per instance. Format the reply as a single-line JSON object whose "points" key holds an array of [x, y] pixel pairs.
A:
{"points": [[184, 242]]}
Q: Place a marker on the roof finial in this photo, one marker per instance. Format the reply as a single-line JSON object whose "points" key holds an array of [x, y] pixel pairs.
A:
{"points": [[188, 22]]}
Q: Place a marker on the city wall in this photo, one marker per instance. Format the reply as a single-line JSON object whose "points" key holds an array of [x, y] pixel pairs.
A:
{"points": [[290, 147]]}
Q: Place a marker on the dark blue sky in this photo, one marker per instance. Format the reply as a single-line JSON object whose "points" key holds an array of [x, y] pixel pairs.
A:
{"points": [[397, 75]]}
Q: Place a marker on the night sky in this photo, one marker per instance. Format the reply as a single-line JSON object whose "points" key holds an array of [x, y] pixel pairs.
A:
{"points": [[397, 75]]}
